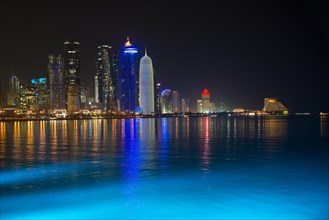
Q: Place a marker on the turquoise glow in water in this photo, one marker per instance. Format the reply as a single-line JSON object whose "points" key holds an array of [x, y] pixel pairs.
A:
{"points": [[179, 168]]}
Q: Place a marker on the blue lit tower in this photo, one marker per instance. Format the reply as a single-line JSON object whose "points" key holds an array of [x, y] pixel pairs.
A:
{"points": [[128, 89], [146, 85]]}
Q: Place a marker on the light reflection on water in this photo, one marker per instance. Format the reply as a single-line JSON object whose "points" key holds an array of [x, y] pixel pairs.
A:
{"points": [[220, 168]]}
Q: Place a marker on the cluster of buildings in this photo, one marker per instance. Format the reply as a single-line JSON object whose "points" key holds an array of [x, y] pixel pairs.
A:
{"points": [[123, 84]]}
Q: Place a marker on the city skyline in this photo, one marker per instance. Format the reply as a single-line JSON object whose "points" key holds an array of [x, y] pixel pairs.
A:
{"points": [[242, 52]]}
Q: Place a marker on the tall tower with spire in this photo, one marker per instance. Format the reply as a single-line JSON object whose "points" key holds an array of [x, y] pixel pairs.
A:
{"points": [[128, 88], [146, 85]]}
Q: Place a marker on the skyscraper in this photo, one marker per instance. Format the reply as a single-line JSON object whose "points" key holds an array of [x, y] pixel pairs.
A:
{"points": [[128, 89], [84, 96], [185, 105], [106, 92], [72, 76], [28, 97], [41, 96], [199, 105], [206, 107], [176, 102], [13, 96], [56, 82], [146, 85], [14, 84], [96, 89], [166, 101], [114, 60], [157, 107]]}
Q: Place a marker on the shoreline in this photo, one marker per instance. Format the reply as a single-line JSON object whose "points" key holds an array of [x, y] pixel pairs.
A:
{"points": [[161, 116]]}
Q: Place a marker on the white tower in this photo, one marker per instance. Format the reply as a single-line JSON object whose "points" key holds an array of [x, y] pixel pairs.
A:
{"points": [[146, 85]]}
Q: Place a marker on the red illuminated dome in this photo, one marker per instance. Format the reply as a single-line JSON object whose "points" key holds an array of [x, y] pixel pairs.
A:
{"points": [[205, 92]]}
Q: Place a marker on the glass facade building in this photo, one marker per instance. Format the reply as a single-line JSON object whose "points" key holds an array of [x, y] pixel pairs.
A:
{"points": [[105, 88]]}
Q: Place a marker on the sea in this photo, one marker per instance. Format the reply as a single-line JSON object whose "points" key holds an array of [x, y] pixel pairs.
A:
{"points": [[225, 167]]}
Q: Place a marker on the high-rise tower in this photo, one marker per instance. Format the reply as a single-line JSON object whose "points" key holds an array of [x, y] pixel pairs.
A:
{"points": [[13, 96], [157, 97], [96, 89], [106, 91], [114, 60], [128, 89], [72, 76], [56, 82], [176, 102], [206, 101], [14, 84], [166, 101], [146, 85]]}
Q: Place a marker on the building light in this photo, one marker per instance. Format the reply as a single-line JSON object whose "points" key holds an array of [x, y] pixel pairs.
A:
{"points": [[130, 50]]}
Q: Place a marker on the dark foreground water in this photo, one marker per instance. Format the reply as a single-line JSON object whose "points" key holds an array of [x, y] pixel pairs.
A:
{"points": [[191, 168]]}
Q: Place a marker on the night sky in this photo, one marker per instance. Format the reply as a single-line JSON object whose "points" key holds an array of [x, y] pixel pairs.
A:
{"points": [[242, 51]]}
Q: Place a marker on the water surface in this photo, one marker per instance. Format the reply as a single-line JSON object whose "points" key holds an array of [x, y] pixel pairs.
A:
{"points": [[191, 168]]}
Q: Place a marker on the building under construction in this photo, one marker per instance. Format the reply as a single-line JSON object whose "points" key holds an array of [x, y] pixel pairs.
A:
{"points": [[274, 107]]}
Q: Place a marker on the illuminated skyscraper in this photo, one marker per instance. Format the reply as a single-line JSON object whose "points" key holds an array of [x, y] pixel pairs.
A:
{"points": [[166, 101], [41, 96], [114, 60], [13, 96], [84, 96], [157, 107], [176, 102], [28, 97], [56, 82], [128, 88], [72, 76], [206, 107], [199, 105], [14, 84], [146, 85], [106, 92], [185, 105], [96, 89]]}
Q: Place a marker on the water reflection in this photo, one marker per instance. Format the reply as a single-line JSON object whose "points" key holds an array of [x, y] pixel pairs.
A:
{"points": [[149, 140], [131, 165], [324, 126], [275, 128], [135, 167], [163, 139], [206, 151]]}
